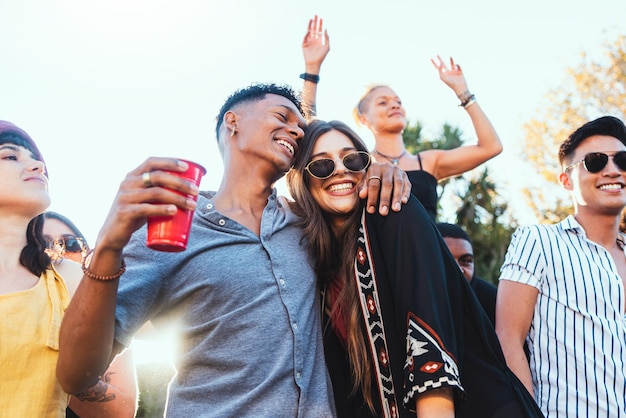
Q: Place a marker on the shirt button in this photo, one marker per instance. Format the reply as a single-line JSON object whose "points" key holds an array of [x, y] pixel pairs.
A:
{"points": [[222, 222], [298, 376], [295, 325], [209, 206], [282, 282]]}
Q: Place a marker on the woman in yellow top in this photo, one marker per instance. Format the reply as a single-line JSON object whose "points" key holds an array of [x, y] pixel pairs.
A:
{"points": [[34, 293]]}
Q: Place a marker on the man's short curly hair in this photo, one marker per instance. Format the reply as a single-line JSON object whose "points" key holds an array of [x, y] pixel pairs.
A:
{"points": [[253, 93]]}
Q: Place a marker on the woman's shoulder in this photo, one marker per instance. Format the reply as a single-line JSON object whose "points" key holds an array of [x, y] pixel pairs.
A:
{"points": [[412, 212], [71, 272], [424, 160]]}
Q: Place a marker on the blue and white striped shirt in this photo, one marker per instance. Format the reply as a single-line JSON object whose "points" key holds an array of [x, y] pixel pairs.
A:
{"points": [[577, 338]]}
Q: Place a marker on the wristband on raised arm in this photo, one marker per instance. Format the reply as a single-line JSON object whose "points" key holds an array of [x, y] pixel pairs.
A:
{"points": [[313, 78], [467, 99]]}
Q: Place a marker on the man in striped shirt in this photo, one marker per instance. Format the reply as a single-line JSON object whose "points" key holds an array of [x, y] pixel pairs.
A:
{"points": [[562, 286]]}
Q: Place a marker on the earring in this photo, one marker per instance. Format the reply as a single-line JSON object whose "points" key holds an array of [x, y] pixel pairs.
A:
{"points": [[233, 132]]}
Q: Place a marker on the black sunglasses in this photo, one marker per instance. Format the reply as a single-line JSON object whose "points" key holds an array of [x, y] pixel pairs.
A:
{"points": [[68, 243], [594, 162], [325, 167]]}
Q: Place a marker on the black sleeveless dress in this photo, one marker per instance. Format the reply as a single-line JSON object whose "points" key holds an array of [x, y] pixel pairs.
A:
{"points": [[424, 187]]}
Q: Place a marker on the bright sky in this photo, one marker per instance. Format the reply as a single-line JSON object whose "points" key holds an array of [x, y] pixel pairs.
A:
{"points": [[103, 84]]}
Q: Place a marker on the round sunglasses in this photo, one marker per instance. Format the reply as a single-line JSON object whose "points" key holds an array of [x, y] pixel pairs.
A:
{"points": [[594, 162], [68, 243], [325, 167]]}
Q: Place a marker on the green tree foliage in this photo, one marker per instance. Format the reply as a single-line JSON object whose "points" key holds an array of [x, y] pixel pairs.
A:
{"points": [[483, 216], [482, 212], [593, 88], [412, 137], [448, 138]]}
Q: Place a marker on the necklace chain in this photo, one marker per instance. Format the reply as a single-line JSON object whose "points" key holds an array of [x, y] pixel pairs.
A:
{"points": [[394, 160]]}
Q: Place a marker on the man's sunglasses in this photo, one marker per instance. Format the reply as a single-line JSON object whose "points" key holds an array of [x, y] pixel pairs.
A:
{"points": [[68, 243], [325, 167], [594, 162]]}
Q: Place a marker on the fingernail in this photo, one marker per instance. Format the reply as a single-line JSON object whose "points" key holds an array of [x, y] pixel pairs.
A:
{"points": [[191, 201]]}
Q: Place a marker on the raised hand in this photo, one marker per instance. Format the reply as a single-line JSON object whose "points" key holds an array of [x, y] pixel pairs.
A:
{"points": [[452, 76], [315, 45]]}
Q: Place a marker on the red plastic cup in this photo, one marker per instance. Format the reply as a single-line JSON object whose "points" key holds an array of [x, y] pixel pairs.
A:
{"points": [[170, 233]]}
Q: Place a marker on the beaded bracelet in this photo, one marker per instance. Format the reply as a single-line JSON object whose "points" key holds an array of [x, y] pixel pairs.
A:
{"points": [[87, 261]]}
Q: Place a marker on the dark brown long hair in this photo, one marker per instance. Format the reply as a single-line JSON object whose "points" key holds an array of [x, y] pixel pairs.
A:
{"points": [[334, 255], [33, 255]]}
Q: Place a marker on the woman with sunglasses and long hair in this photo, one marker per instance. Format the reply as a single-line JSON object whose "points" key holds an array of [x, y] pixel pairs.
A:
{"points": [[34, 293], [65, 241], [381, 111], [403, 331]]}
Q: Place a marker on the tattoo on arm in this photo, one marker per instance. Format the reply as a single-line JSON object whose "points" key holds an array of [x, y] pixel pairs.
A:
{"points": [[98, 392]]}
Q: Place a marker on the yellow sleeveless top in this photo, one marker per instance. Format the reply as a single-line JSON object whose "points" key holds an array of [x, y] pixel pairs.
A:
{"points": [[29, 348]]}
